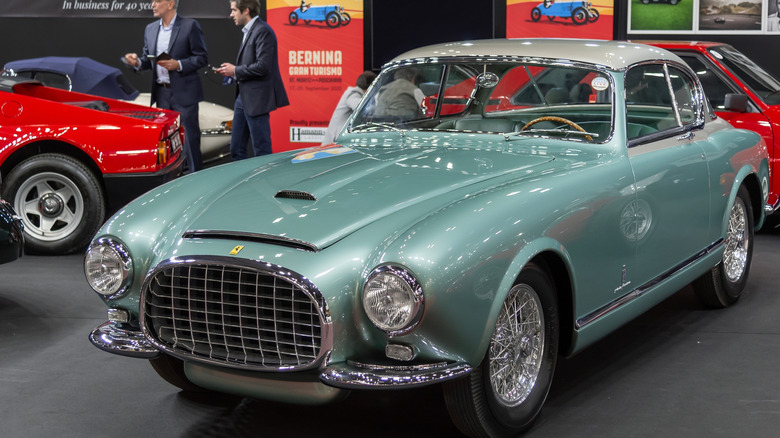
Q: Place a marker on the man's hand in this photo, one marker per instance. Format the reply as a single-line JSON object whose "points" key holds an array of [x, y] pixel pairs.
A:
{"points": [[132, 59], [226, 69], [169, 64]]}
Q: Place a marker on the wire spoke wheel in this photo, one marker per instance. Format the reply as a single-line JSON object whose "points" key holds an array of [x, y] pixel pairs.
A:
{"points": [[503, 396], [736, 254], [722, 285], [515, 355]]}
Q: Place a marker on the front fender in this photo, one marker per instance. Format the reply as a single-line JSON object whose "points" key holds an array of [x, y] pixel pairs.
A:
{"points": [[529, 252]]}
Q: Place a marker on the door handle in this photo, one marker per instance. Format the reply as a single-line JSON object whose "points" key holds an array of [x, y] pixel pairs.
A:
{"points": [[686, 136]]}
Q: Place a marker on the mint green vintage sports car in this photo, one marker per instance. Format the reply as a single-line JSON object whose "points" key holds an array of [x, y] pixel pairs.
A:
{"points": [[490, 206]]}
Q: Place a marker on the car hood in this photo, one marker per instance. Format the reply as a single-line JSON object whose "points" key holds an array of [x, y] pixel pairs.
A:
{"points": [[316, 197]]}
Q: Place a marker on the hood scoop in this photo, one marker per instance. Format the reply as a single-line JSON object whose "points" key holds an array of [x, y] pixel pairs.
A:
{"points": [[295, 194]]}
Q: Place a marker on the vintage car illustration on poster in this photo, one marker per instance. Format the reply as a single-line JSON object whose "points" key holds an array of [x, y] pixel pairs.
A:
{"points": [[332, 15], [467, 243], [86, 75], [66, 159], [741, 92], [580, 12]]}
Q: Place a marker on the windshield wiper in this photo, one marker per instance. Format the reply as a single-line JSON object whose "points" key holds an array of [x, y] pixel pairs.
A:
{"points": [[376, 125], [565, 132]]}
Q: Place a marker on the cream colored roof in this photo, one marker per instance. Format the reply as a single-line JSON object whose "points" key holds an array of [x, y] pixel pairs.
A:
{"points": [[612, 54]]}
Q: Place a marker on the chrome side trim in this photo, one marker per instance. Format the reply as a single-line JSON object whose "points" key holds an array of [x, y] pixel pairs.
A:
{"points": [[109, 337], [214, 132], [355, 375], [308, 288], [253, 237], [638, 292]]}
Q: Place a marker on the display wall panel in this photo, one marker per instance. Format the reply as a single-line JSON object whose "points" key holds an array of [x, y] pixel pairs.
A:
{"points": [[401, 25]]}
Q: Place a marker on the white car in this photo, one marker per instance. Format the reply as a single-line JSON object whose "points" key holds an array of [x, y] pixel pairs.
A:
{"points": [[215, 124]]}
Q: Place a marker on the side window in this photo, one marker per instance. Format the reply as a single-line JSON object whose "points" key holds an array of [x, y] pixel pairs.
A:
{"points": [[55, 80], [714, 86], [684, 93], [649, 106]]}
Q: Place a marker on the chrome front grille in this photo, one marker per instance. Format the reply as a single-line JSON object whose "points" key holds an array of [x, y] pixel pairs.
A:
{"points": [[237, 313]]}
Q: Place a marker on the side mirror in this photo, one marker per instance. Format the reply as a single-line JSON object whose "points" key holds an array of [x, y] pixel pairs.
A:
{"points": [[429, 88], [736, 102]]}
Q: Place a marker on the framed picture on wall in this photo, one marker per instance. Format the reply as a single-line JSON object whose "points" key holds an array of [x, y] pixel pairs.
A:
{"points": [[728, 15], [661, 16], [773, 16], [703, 16]]}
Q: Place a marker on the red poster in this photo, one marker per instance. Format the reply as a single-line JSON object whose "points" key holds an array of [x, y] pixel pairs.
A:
{"points": [[320, 55], [560, 19]]}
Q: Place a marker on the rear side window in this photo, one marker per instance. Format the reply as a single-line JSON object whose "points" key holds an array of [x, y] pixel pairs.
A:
{"points": [[660, 97], [685, 95], [714, 86], [649, 106]]}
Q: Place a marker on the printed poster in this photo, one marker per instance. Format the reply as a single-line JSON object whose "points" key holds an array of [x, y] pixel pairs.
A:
{"points": [[320, 55], [560, 19]]}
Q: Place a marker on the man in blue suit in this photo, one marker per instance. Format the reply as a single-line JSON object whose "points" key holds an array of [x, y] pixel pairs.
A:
{"points": [[260, 87], [177, 45]]}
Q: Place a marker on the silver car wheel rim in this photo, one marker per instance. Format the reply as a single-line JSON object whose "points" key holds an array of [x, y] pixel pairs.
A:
{"points": [[517, 346], [736, 253], [51, 206]]}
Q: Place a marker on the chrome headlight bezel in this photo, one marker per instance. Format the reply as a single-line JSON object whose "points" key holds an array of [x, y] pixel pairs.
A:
{"points": [[108, 281], [412, 296]]}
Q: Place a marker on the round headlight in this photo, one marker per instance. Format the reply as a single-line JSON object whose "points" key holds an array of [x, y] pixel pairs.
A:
{"points": [[108, 267], [393, 300]]}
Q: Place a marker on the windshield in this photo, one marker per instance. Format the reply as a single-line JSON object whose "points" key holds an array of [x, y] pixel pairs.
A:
{"points": [[754, 77], [498, 97]]}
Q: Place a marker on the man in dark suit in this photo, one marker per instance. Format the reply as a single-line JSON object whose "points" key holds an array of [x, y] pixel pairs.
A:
{"points": [[260, 87], [177, 45]]}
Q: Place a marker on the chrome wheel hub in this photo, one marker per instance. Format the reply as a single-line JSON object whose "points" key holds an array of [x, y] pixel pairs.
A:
{"points": [[51, 206], [735, 257], [517, 347]]}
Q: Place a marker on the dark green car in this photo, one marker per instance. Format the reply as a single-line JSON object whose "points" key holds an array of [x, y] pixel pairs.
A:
{"points": [[490, 206]]}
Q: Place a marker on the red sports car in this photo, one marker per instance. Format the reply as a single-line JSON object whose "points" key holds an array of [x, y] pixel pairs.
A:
{"points": [[741, 92], [66, 159]]}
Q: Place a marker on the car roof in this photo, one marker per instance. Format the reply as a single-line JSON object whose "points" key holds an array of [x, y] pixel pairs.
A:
{"points": [[87, 75], [673, 44], [615, 55]]}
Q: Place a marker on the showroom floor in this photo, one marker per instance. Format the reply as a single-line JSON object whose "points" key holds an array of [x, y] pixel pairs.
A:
{"points": [[679, 370]]}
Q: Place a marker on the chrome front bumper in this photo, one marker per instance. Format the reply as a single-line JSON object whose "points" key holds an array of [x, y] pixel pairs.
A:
{"points": [[350, 375], [109, 337], [353, 375]]}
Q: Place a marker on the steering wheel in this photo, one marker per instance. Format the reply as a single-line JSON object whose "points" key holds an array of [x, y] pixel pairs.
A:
{"points": [[556, 119]]}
